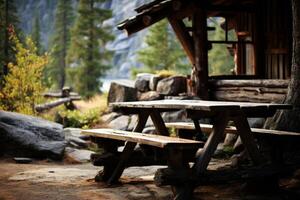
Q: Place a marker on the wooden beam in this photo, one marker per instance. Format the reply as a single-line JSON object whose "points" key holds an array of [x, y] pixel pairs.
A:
{"points": [[201, 50], [184, 38]]}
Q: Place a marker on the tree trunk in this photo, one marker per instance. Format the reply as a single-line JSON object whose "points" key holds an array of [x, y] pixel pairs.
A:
{"points": [[289, 119]]}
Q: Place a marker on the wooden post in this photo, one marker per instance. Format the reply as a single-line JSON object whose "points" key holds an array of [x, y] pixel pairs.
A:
{"points": [[201, 56], [184, 37]]}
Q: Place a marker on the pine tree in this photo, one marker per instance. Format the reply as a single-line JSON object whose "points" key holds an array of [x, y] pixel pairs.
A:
{"points": [[56, 70], [8, 24], [36, 33], [162, 50], [87, 52]]}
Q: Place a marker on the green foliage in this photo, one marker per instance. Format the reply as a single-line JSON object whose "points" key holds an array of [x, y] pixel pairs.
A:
{"points": [[23, 85], [220, 60], [78, 119], [56, 69], [8, 24], [162, 51], [87, 52], [36, 33]]}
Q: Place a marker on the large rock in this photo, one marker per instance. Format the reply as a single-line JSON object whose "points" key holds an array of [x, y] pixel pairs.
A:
{"points": [[122, 90], [142, 82], [120, 123], [23, 135], [173, 85]]}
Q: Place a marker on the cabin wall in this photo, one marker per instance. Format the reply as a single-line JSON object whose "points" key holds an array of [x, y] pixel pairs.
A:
{"points": [[259, 90], [276, 37]]}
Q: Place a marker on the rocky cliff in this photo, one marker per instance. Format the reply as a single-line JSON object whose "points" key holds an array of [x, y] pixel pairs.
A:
{"points": [[124, 47]]}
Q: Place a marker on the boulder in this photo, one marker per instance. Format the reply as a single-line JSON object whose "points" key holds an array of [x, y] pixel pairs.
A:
{"points": [[142, 82], [154, 81], [78, 155], [122, 90], [149, 96], [132, 122], [28, 136], [107, 118], [120, 123], [173, 85]]}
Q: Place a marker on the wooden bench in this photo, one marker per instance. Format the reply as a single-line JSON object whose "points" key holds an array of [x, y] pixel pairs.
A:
{"points": [[272, 138], [176, 150], [207, 128]]}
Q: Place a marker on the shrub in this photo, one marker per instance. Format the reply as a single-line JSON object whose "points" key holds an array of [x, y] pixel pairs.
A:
{"points": [[23, 84], [79, 119]]}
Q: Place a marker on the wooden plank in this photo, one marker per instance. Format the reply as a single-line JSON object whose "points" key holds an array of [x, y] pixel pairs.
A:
{"points": [[211, 144], [247, 96], [148, 139], [199, 105], [259, 90], [207, 128], [267, 83]]}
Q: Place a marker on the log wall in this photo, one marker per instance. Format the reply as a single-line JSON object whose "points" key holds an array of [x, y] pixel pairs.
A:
{"points": [[249, 90]]}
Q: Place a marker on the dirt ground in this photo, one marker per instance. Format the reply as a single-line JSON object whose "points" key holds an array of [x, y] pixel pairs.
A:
{"points": [[58, 181]]}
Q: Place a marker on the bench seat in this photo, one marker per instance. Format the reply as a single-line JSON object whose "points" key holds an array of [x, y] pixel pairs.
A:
{"points": [[147, 139], [207, 128]]}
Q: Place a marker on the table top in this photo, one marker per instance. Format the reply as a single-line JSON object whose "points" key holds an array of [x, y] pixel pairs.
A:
{"points": [[200, 105]]}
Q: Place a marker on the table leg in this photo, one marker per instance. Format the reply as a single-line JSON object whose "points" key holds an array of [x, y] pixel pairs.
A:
{"points": [[247, 138], [220, 123], [159, 123], [199, 135], [128, 149]]}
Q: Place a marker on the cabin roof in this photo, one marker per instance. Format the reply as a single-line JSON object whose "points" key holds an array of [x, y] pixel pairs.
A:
{"points": [[157, 10]]}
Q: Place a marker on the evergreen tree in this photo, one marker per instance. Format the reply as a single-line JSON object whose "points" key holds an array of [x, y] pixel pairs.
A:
{"points": [[87, 52], [8, 25], [36, 33], [56, 70], [163, 51]]}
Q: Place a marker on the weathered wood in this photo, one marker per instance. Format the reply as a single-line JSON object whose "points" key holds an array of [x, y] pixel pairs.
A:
{"points": [[259, 90], [148, 139], [210, 107], [168, 176], [211, 144], [207, 128], [47, 106], [247, 96], [266, 83], [159, 123], [244, 131], [59, 94], [184, 37], [201, 55], [178, 162]]}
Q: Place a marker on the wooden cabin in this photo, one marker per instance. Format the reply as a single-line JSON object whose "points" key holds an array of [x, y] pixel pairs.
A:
{"points": [[262, 44]]}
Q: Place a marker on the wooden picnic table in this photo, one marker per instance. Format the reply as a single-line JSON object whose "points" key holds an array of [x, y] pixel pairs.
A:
{"points": [[221, 112]]}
